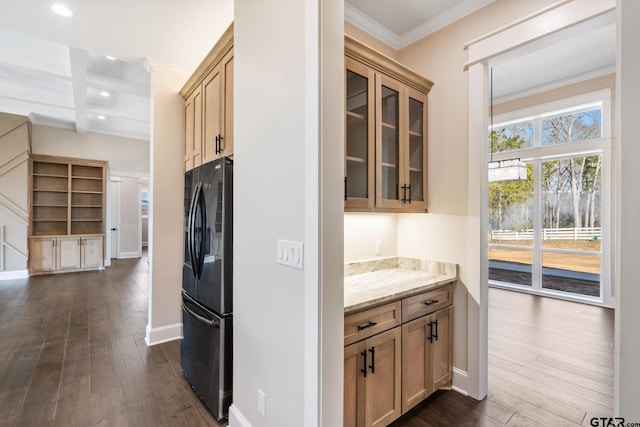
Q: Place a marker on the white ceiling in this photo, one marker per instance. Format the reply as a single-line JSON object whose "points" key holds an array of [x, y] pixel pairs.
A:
{"points": [[52, 69]]}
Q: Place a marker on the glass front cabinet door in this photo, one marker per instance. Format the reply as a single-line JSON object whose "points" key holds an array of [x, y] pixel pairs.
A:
{"points": [[359, 136], [415, 172], [385, 162]]}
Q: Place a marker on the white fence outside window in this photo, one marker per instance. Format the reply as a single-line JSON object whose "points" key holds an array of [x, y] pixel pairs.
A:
{"points": [[573, 233]]}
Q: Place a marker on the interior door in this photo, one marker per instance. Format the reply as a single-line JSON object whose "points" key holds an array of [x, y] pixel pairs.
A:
{"points": [[114, 207]]}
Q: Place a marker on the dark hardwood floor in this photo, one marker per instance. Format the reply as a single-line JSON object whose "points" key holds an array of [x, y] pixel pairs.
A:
{"points": [[72, 353], [550, 364]]}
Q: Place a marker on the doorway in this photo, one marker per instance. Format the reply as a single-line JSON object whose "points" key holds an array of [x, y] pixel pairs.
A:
{"points": [[516, 45], [125, 229]]}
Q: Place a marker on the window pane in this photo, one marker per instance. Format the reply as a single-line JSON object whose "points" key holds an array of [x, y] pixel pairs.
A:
{"points": [[573, 273], [571, 193], [511, 210], [511, 224], [571, 224], [573, 127], [510, 266], [511, 137]]}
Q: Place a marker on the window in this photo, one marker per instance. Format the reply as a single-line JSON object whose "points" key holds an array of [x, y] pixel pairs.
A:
{"points": [[549, 234]]}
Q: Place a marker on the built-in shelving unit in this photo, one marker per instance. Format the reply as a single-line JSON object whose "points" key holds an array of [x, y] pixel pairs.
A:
{"points": [[67, 199]]}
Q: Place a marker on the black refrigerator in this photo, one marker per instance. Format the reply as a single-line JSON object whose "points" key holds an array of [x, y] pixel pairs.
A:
{"points": [[207, 284]]}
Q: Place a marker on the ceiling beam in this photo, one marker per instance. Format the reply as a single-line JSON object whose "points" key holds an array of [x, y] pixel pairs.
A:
{"points": [[118, 85], [78, 60]]}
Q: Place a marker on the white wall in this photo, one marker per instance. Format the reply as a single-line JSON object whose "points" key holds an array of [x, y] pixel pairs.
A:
{"points": [[287, 322], [126, 156], [14, 190], [361, 231], [627, 349], [166, 188], [441, 238], [130, 222]]}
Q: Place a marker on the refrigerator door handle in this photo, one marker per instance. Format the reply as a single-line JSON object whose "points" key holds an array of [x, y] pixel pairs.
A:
{"points": [[200, 318], [192, 232], [201, 204]]}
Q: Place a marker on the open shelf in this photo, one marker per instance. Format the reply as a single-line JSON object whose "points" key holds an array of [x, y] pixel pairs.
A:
{"points": [[67, 196]]}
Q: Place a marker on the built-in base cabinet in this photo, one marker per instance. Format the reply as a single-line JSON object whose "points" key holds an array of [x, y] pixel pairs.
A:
{"points": [[388, 372], [57, 254], [372, 380], [426, 356]]}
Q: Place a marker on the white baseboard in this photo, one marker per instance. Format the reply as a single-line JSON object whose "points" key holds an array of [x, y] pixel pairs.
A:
{"points": [[15, 274], [236, 419], [124, 255], [460, 382], [163, 334]]}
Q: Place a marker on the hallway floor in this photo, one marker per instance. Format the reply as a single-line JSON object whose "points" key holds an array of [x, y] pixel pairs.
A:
{"points": [[73, 354]]}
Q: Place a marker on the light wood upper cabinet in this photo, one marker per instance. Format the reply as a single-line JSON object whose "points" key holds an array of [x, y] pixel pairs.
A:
{"points": [[209, 106], [385, 133], [193, 130]]}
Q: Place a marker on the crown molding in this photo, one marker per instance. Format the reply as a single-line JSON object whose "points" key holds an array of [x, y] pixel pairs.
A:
{"points": [[382, 33], [438, 22], [371, 26]]}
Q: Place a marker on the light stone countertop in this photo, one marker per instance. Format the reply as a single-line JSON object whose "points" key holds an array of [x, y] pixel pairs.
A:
{"points": [[373, 282]]}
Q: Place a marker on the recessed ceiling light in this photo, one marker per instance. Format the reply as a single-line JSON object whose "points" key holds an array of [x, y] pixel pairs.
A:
{"points": [[105, 93], [61, 10], [110, 58], [101, 117]]}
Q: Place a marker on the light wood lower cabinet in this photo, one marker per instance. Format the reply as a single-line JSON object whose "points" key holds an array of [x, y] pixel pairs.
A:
{"points": [[427, 361], [395, 356], [42, 254], [69, 253], [372, 380]]}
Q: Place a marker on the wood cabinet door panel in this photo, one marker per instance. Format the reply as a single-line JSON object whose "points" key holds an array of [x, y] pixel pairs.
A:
{"points": [[92, 251], [193, 130], [382, 395], [42, 254], [227, 107], [441, 349], [415, 372], [68, 252], [353, 415], [212, 89]]}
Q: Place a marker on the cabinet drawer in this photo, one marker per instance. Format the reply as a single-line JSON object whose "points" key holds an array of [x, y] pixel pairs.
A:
{"points": [[369, 322], [428, 302]]}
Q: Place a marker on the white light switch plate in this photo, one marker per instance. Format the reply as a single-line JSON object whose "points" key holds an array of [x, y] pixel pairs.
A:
{"points": [[290, 253]]}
